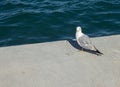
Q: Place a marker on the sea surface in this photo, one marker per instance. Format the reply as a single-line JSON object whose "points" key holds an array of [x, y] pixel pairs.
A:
{"points": [[36, 21]]}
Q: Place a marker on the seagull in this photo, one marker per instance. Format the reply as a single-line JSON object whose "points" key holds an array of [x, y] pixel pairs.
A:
{"points": [[84, 41]]}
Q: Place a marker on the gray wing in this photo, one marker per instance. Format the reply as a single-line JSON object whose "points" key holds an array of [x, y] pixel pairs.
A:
{"points": [[85, 42]]}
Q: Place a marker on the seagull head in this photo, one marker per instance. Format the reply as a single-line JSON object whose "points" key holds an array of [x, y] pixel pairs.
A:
{"points": [[78, 29]]}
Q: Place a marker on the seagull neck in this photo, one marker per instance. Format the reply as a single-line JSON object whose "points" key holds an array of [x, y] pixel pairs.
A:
{"points": [[80, 34]]}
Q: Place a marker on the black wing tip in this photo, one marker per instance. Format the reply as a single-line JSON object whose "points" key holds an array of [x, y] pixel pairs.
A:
{"points": [[98, 53]]}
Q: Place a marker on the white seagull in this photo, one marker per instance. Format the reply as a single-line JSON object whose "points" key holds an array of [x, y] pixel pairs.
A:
{"points": [[85, 42]]}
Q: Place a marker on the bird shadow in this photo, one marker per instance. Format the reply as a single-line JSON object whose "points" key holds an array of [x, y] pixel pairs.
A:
{"points": [[75, 45]]}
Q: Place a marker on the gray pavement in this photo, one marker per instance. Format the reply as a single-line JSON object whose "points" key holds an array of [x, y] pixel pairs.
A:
{"points": [[61, 64]]}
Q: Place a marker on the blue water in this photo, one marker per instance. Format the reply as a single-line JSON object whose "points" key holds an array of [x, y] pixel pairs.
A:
{"points": [[35, 21]]}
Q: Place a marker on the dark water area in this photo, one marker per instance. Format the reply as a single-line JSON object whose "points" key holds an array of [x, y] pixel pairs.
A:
{"points": [[36, 21]]}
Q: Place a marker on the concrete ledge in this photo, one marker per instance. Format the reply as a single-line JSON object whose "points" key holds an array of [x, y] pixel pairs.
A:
{"points": [[59, 64]]}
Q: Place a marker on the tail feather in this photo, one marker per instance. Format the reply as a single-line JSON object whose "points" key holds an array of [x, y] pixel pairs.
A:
{"points": [[97, 51]]}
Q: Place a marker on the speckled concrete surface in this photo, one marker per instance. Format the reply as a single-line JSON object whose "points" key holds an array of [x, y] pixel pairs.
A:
{"points": [[61, 64]]}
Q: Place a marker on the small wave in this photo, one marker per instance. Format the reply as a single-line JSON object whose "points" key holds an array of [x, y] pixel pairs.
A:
{"points": [[16, 3]]}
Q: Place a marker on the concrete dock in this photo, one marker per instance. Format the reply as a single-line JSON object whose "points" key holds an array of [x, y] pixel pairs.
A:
{"points": [[61, 64]]}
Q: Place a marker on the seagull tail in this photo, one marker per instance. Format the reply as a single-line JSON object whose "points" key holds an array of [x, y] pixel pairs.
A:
{"points": [[97, 51]]}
